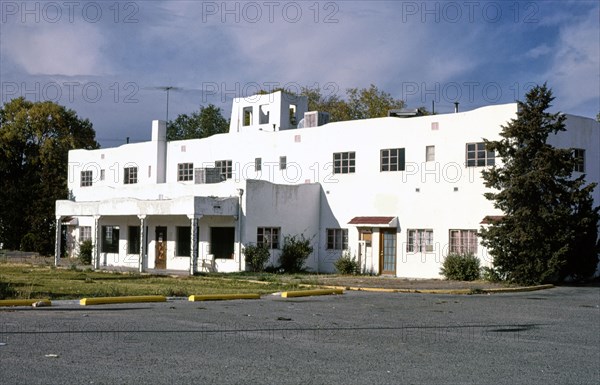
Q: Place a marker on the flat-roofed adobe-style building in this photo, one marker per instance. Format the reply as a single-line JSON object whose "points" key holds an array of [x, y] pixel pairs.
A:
{"points": [[398, 193]]}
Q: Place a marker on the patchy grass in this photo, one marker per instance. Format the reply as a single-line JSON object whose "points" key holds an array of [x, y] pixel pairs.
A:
{"points": [[26, 281]]}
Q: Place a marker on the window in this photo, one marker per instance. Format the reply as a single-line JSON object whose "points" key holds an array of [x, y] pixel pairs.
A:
{"points": [[133, 240], [392, 159], [344, 162], [102, 174], [478, 156], [225, 168], [86, 178], [85, 233], [463, 241], [130, 175], [185, 171], [579, 155], [419, 241], [292, 110], [247, 116], [282, 162], [429, 153], [110, 239], [337, 239], [263, 117], [184, 241], [268, 236], [257, 164]]}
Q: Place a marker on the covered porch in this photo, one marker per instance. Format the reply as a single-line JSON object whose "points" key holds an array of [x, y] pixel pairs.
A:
{"points": [[184, 234], [375, 239]]}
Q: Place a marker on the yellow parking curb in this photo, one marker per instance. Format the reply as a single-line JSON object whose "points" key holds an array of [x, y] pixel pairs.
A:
{"points": [[306, 293], [222, 297], [23, 302], [519, 289], [446, 291], [130, 299]]}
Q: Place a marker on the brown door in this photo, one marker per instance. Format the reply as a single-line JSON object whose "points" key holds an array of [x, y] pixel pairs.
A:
{"points": [[387, 251], [160, 259]]}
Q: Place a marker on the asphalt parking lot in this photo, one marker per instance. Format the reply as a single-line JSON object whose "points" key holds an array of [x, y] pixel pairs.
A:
{"points": [[543, 337]]}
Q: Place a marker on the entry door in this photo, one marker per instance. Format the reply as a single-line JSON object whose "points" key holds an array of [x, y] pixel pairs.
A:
{"points": [[160, 259], [387, 251], [365, 254]]}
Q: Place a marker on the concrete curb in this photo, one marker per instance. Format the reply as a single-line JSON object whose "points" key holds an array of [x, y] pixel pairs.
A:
{"points": [[446, 291], [221, 297], [23, 302], [307, 293], [130, 299]]}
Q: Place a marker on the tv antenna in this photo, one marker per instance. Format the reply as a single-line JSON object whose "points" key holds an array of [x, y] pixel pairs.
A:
{"points": [[166, 88]]}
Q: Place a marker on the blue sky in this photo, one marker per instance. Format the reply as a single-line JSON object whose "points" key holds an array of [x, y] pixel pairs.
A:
{"points": [[106, 59]]}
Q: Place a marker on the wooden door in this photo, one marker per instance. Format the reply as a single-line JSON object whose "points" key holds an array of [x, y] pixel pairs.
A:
{"points": [[387, 251], [160, 259]]}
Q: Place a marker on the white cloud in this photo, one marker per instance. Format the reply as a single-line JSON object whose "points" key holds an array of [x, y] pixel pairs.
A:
{"points": [[540, 50], [574, 73], [56, 49]]}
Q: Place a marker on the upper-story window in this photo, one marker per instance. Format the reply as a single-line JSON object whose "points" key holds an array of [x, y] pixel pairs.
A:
{"points": [[392, 159], [225, 168], [579, 155], [282, 162], [478, 156], [130, 175], [86, 178], [344, 162], [429, 153], [257, 164], [185, 171]]}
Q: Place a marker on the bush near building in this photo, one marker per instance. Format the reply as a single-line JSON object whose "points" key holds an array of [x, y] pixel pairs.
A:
{"points": [[461, 267]]}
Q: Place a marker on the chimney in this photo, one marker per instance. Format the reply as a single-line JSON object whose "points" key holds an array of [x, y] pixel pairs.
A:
{"points": [[456, 107]]}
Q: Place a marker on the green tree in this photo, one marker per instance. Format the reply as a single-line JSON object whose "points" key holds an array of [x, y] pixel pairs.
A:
{"points": [[370, 102], [548, 212], [337, 108], [200, 124], [361, 103], [35, 139]]}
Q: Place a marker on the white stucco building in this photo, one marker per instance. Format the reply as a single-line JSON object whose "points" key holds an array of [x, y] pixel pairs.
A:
{"points": [[397, 193]]}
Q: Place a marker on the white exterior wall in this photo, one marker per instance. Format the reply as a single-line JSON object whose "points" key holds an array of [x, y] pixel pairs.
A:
{"points": [[292, 209], [439, 195]]}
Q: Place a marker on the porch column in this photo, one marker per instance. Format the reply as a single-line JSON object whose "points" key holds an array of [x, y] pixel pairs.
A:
{"points": [[193, 243], [96, 251], [143, 243], [57, 240], [240, 229]]}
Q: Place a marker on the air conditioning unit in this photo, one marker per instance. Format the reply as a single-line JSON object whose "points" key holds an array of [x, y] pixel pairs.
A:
{"points": [[207, 175], [428, 248], [315, 118]]}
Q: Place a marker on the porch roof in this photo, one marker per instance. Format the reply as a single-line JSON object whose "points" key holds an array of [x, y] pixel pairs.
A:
{"points": [[190, 205], [490, 219], [374, 221]]}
